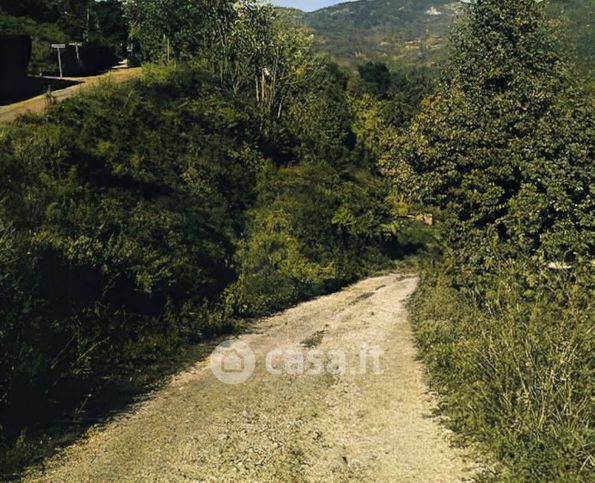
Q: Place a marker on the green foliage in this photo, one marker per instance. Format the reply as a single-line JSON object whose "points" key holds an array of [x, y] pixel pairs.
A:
{"points": [[505, 150], [43, 57], [181, 29], [243, 43], [117, 226], [317, 115], [142, 217], [515, 364], [310, 231], [320, 219], [375, 78], [381, 117], [401, 91], [61, 21], [506, 144], [415, 32], [108, 26]]}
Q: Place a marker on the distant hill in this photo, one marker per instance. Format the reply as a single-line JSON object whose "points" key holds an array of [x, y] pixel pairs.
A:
{"points": [[415, 31]]}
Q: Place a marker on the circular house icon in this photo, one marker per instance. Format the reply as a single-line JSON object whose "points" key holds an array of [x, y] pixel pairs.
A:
{"points": [[233, 362]]}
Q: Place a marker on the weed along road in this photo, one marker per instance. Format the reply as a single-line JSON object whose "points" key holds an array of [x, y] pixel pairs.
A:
{"points": [[38, 104], [330, 390]]}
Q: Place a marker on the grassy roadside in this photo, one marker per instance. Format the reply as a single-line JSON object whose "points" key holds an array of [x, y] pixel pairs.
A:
{"points": [[514, 365], [39, 104], [135, 382], [141, 218], [110, 397]]}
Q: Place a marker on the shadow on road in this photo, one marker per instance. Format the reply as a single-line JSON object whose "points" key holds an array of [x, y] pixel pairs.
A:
{"points": [[30, 87]]}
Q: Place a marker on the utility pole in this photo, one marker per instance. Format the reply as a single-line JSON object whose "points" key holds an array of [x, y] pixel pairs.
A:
{"points": [[58, 47]]}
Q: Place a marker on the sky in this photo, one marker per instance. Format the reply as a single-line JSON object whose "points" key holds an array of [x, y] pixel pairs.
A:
{"points": [[306, 5]]}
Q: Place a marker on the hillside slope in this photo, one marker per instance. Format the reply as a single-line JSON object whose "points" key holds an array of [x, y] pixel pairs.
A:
{"points": [[415, 31], [395, 31]]}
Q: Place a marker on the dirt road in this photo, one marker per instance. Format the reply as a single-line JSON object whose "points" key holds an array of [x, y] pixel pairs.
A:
{"points": [[39, 104], [280, 425]]}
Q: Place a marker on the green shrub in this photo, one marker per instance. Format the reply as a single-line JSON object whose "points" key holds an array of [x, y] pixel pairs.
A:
{"points": [[309, 232], [514, 362], [43, 57], [117, 223]]}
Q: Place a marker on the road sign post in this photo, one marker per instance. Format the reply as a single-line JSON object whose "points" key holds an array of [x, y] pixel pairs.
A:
{"points": [[58, 47], [76, 45]]}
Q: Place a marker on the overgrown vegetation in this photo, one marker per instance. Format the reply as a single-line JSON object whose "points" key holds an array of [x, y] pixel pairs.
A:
{"points": [[504, 150], [514, 363], [245, 173], [136, 219]]}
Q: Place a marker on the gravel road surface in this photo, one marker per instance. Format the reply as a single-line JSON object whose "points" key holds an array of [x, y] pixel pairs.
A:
{"points": [[368, 419]]}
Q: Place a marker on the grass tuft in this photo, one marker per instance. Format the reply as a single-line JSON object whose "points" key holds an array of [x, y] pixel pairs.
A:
{"points": [[514, 363]]}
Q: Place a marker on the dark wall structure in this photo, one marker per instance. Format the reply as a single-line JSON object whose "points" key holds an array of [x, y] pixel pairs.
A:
{"points": [[92, 59], [15, 53]]}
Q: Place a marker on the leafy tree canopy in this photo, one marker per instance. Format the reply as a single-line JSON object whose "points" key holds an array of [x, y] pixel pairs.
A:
{"points": [[506, 144]]}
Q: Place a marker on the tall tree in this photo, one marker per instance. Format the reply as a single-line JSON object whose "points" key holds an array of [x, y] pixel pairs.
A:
{"points": [[243, 43], [505, 146], [178, 29]]}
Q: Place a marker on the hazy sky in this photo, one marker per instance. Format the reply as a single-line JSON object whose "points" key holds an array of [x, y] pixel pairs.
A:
{"points": [[306, 5]]}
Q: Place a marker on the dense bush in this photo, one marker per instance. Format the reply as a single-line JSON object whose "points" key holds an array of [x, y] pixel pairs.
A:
{"points": [[119, 216], [504, 149], [140, 217], [505, 146], [311, 231]]}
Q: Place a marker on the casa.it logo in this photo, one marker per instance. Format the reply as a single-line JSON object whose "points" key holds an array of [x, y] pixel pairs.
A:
{"points": [[233, 362]]}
